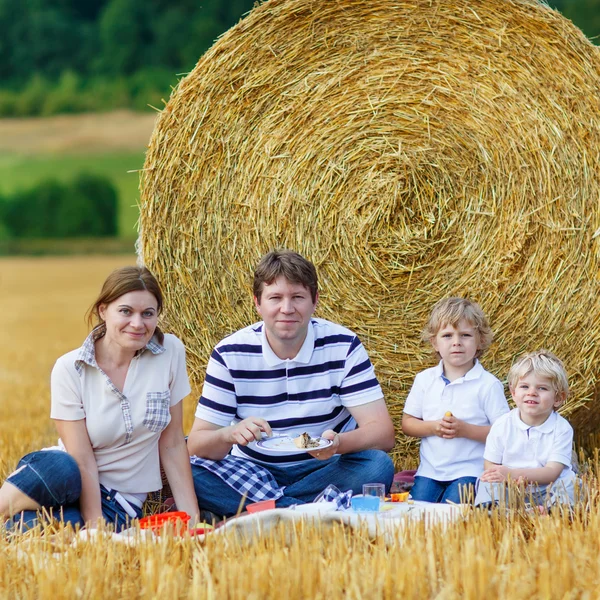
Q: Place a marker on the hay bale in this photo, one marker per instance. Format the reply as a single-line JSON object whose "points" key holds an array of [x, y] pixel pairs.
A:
{"points": [[412, 150]]}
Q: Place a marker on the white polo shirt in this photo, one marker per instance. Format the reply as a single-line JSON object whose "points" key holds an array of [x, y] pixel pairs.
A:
{"points": [[476, 398], [513, 443], [124, 428]]}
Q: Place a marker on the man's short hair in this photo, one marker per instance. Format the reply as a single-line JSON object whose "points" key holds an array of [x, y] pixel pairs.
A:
{"points": [[542, 363], [293, 266], [451, 311]]}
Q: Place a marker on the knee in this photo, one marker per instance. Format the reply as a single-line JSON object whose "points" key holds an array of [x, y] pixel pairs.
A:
{"points": [[377, 465], [50, 478]]}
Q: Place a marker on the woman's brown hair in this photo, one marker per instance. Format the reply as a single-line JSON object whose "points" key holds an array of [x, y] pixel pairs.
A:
{"points": [[122, 281]]}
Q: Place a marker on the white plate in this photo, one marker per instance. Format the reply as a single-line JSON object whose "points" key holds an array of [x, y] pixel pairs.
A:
{"points": [[285, 445]]}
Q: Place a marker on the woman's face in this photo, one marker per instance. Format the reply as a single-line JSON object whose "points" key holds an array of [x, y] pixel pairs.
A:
{"points": [[130, 319]]}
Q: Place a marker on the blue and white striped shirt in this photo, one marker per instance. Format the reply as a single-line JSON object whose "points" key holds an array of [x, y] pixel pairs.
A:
{"points": [[309, 393]]}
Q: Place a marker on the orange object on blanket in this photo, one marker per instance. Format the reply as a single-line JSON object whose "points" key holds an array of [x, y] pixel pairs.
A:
{"points": [[156, 522], [402, 497], [260, 506]]}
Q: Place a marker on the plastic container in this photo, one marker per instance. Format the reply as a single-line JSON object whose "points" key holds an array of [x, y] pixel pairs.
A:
{"points": [[155, 523], [260, 506], [365, 503]]}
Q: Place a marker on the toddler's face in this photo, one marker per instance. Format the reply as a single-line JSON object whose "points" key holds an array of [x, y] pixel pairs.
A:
{"points": [[457, 346], [536, 398]]}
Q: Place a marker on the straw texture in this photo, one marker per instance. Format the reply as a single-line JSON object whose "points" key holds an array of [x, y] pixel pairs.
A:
{"points": [[412, 150]]}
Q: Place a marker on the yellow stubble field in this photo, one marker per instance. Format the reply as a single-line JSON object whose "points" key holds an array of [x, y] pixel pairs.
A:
{"points": [[43, 301]]}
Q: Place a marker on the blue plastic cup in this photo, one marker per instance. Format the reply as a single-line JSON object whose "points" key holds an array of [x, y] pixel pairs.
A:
{"points": [[365, 503]]}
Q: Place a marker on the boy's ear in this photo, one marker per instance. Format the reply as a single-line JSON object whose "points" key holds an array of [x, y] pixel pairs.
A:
{"points": [[560, 399]]}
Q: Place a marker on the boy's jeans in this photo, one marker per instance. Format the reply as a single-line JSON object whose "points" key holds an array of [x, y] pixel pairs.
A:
{"points": [[431, 490], [303, 482], [52, 479]]}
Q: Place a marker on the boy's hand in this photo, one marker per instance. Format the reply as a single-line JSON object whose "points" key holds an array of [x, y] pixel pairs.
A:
{"points": [[450, 427], [495, 474]]}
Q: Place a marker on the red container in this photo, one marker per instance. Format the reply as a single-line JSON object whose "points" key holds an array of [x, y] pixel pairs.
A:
{"points": [[260, 506], [156, 522]]}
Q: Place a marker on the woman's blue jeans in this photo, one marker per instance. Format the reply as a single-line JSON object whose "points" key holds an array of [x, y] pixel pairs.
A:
{"points": [[303, 482], [431, 490], [53, 480]]}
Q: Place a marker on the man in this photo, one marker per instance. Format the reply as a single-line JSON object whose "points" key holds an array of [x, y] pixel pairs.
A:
{"points": [[287, 375]]}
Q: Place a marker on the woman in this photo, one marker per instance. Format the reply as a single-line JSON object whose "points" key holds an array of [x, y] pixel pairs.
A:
{"points": [[116, 403]]}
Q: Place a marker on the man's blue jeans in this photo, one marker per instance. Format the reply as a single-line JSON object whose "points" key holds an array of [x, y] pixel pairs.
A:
{"points": [[303, 482], [52, 479], [431, 490]]}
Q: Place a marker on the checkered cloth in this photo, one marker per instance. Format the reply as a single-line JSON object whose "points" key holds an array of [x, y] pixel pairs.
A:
{"points": [[245, 477], [343, 500], [157, 410]]}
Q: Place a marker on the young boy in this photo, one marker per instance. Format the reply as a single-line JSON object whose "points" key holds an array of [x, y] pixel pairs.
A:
{"points": [[532, 443], [452, 406]]}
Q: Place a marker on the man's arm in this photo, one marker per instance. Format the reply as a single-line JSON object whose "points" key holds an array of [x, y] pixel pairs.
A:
{"points": [[208, 440], [375, 431]]}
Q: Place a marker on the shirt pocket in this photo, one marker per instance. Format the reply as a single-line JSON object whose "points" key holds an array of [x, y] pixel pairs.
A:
{"points": [[158, 414]]}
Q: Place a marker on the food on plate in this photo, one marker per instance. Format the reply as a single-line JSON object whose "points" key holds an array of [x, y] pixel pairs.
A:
{"points": [[305, 441]]}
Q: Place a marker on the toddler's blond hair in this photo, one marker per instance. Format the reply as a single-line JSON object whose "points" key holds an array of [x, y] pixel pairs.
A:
{"points": [[542, 363]]}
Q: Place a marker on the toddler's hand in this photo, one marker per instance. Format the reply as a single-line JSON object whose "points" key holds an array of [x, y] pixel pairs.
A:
{"points": [[495, 474]]}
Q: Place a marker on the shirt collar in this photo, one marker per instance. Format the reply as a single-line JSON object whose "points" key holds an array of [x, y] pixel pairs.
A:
{"points": [[546, 427], [87, 352], [474, 373], [304, 355]]}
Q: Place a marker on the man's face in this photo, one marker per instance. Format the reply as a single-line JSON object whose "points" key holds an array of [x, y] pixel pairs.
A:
{"points": [[286, 309]]}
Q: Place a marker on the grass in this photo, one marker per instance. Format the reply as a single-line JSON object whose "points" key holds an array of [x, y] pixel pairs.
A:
{"points": [[24, 171], [107, 144]]}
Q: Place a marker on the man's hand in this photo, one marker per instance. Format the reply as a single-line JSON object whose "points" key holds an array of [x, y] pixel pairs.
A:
{"points": [[328, 452], [246, 431], [495, 474]]}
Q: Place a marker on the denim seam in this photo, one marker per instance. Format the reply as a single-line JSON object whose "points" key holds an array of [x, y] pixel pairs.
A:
{"points": [[44, 483]]}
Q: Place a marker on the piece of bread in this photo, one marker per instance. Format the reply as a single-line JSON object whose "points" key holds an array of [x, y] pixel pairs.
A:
{"points": [[305, 441]]}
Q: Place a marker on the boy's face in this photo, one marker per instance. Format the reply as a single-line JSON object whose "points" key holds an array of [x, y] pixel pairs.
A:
{"points": [[457, 346], [536, 398]]}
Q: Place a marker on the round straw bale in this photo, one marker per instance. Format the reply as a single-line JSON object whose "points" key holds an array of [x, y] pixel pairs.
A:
{"points": [[412, 150]]}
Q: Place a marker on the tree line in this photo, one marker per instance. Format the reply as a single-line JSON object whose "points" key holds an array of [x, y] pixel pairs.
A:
{"points": [[73, 55]]}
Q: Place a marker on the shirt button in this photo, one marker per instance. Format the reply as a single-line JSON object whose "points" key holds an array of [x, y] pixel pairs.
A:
{"points": [[108, 497]]}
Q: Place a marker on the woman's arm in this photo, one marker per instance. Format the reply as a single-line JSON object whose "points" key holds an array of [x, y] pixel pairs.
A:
{"points": [[75, 438], [175, 461]]}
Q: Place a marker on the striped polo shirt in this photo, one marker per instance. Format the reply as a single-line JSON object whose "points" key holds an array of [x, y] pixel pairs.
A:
{"points": [[308, 393]]}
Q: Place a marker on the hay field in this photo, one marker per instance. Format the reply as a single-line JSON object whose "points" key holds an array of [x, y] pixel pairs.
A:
{"points": [[43, 301]]}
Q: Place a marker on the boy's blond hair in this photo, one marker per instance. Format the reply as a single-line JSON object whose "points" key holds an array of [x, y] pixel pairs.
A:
{"points": [[451, 311], [542, 363]]}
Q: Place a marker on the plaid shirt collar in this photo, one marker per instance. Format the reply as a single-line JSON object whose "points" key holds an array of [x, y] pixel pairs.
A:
{"points": [[87, 352]]}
